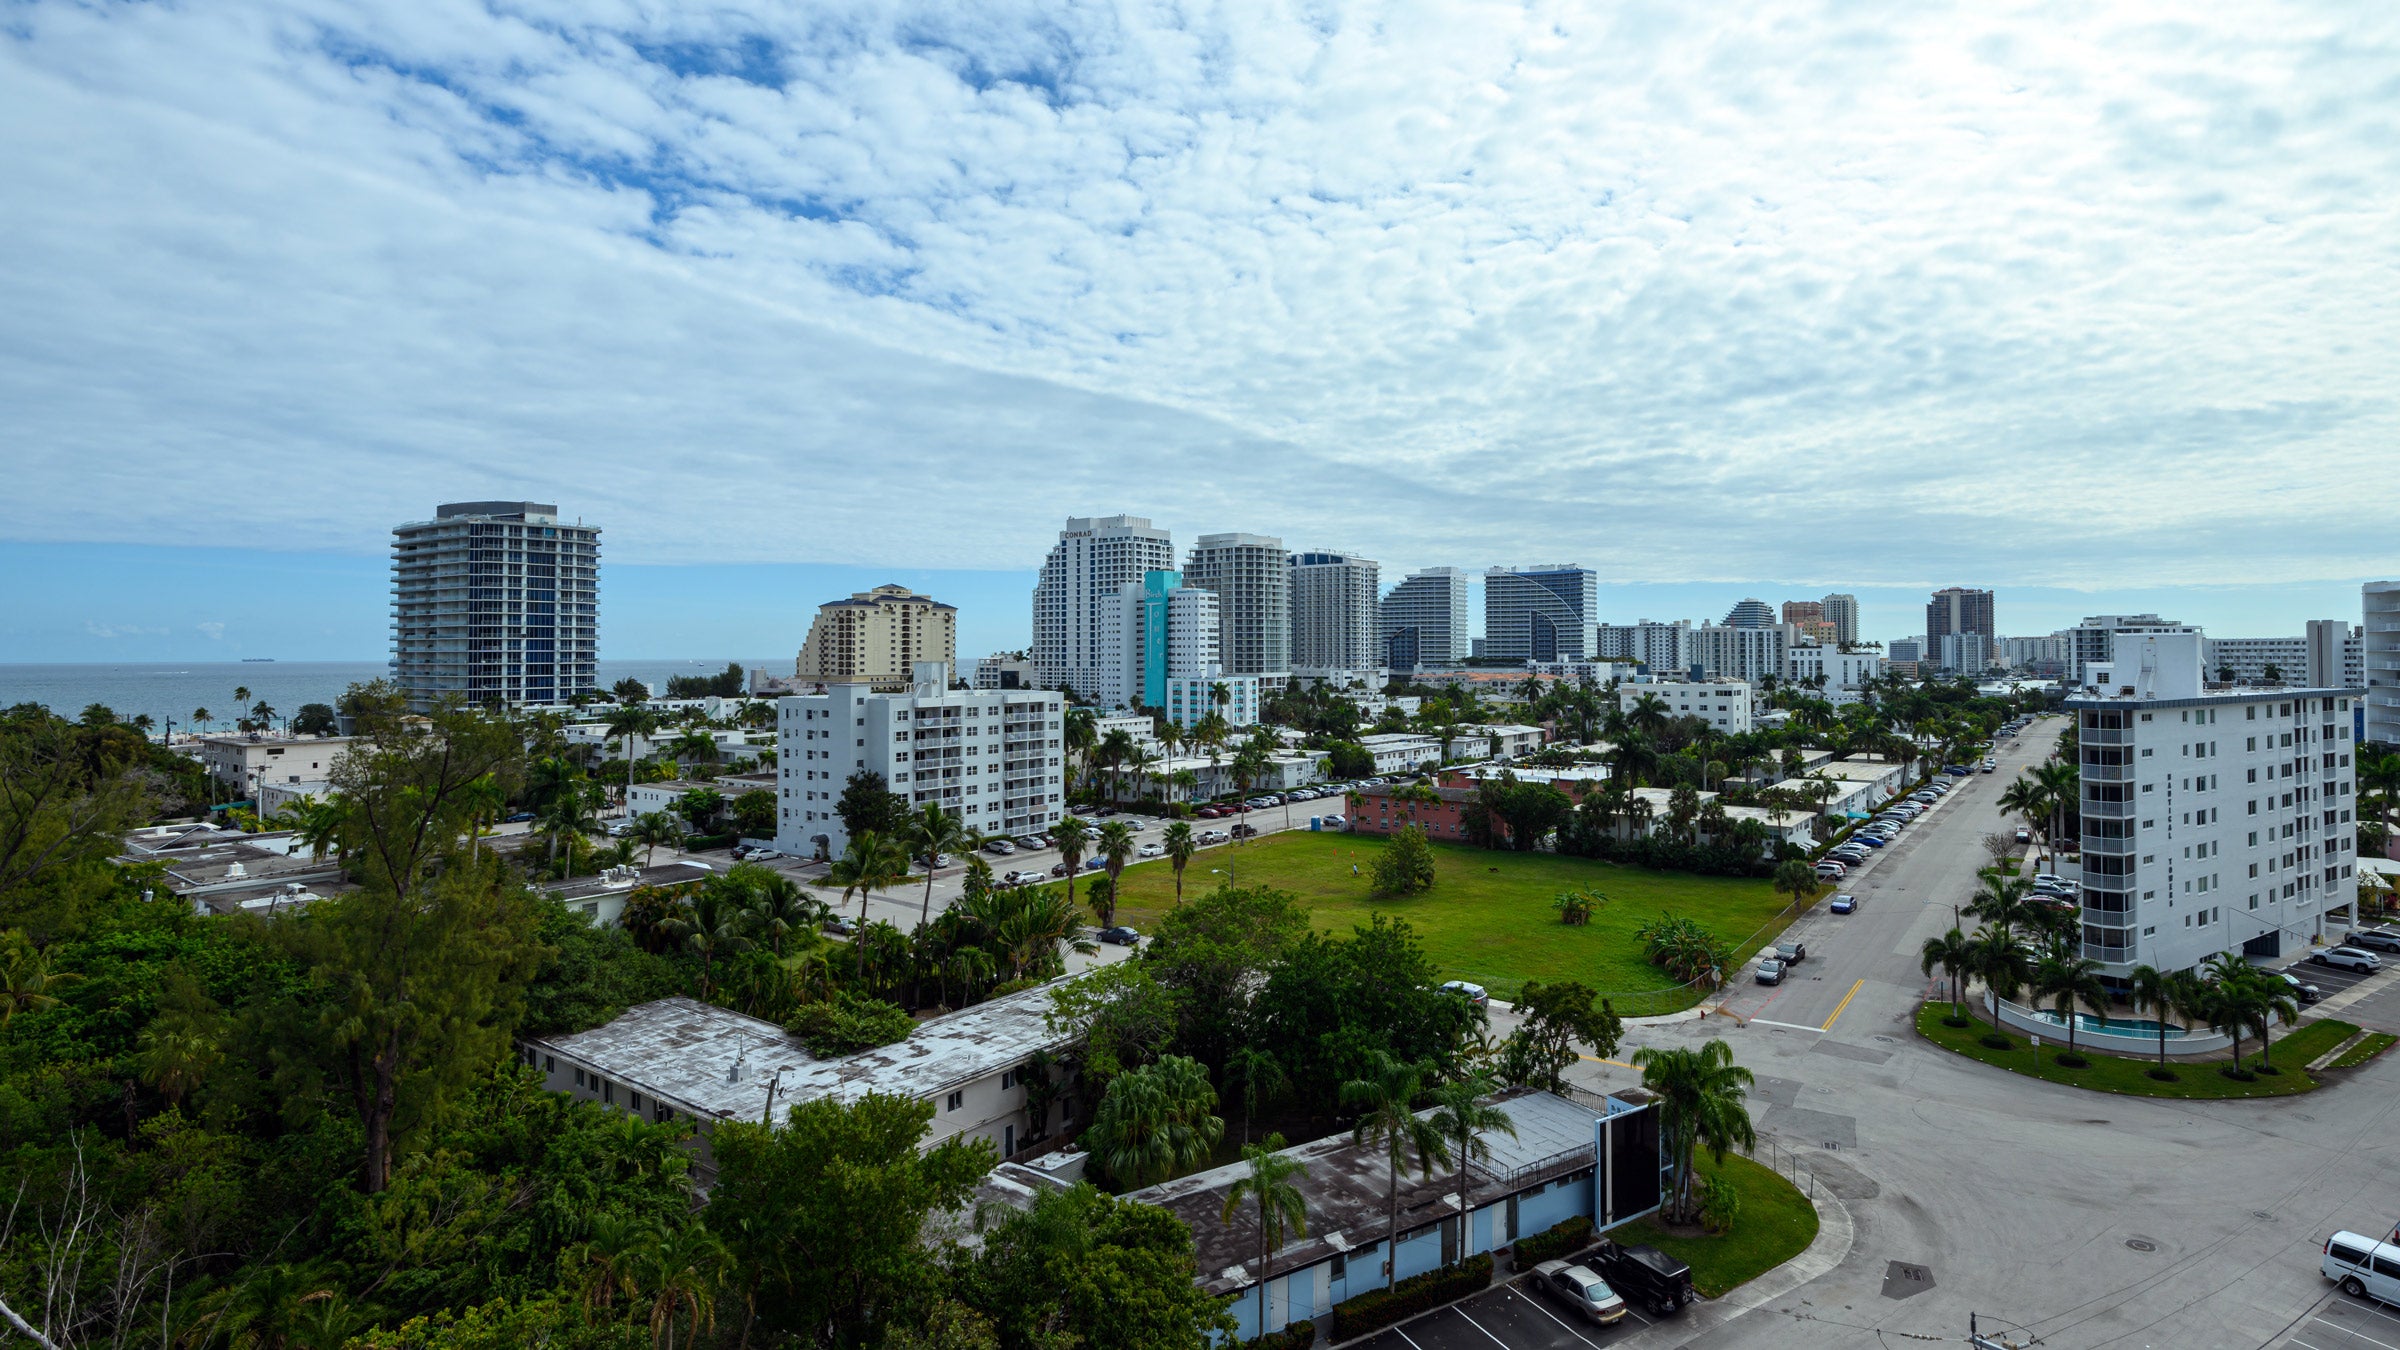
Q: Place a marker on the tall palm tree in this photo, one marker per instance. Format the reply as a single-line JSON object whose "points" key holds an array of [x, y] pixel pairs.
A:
{"points": [[933, 832], [682, 1269], [1383, 1100], [1155, 1122], [1115, 845], [200, 719], [26, 980], [2066, 977], [2062, 790], [1464, 1116], [1702, 1098], [869, 864], [714, 925], [175, 1058], [1070, 834], [778, 907], [1180, 846], [2002, 903], [2161, 993], [1268, 1188], [627, 725], [1954, 955], [2000, 963], [319, 825]]}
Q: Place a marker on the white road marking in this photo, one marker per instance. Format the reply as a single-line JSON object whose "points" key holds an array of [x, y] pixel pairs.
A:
{"points": [[2387, 1345], [1537, 1307], [1787, 1026], [1461, 1311]]}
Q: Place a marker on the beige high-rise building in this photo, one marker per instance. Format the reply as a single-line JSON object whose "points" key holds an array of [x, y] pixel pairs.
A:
{"points": [[877, 637]]}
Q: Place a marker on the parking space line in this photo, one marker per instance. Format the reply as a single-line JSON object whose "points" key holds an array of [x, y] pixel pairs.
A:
{"points": [[2371, 1306], [1837, 1008], [1462, 1311], [1403, 1335], [2387, 1345]]}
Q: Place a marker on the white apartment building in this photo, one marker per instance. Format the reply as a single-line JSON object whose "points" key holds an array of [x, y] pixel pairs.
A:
{"points": [[245, 762], [2031, 651], [1966, 653], [2379, 660], [1841, 610], [2248, 659], [1333, 613], [1193, 697], [1423, 622], [2094, 640], [995, 760], [2213, 820], [877, 637], [1723, 704], [1540, 613], [1724, 652], [1841, 669], [680, 1059], [2336, 655], [1075, 601], [1507, 738], [1165, 630], [1002, 671], [1598, 672], [1664, 648], [1401, 751], [1252, 576]]}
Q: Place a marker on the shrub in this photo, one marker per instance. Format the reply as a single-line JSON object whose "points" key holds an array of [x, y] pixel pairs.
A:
{"points": [[1720, 1205], [848, 1023], [2068, 1059], [1553, 1242], [1297, 1336], [1993, 1040], [1418, 1293], [2163, 1075], [1957, 1022], [1405, 866]]}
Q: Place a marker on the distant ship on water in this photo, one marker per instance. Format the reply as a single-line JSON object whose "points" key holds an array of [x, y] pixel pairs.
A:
{"points": [[253, 660]]}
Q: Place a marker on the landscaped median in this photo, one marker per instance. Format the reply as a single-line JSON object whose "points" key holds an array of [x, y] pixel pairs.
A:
{"points": [[1773, 1224], [2129, 1076]]}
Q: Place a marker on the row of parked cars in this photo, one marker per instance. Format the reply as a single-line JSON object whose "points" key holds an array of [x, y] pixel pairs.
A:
{"points": [[1876, 833]]}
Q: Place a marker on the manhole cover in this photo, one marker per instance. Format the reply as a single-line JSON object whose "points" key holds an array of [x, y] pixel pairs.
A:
{"points": [[1901, 1279], [2261, 1214], [2141, 1244]]}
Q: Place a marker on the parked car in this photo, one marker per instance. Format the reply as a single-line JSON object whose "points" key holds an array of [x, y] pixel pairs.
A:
{"points": [[1244, 831], [1871, 838], [1121, 936], [1094, 864], [1059, 869], [1791, 953], [2024, 836], [1152, 851], [1644, 1274], [2375, 940], [2302, 989], [2049, 878], [1026, 842], [1844, 904], [840, 927], [764, 854], [2349, 958], [1000, 848], [1831, 870], [1336, 822], [1472, 993], [1582, 1290], [1770, 971], [519, 818], [1991, 766], [1026, 877]]}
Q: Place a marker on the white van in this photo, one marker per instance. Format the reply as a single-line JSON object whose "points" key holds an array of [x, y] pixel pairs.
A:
{"points": [[2364, 1267]]}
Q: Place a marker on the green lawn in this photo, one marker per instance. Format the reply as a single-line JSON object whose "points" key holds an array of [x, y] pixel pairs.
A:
{"points": [[2110, 1073], [1776, 1223], [2368, 1047], [1488, 917]]}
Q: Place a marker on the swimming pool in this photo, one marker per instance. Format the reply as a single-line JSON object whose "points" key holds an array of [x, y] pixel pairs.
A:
{"points": [[2088, 1025]]}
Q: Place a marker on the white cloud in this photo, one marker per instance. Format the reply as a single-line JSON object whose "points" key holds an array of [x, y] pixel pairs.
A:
{"points": [[1865, 293], [112, 631], [210, 629]]}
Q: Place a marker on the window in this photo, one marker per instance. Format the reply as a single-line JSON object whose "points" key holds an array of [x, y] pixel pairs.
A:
{"points": [[956, 1100]]}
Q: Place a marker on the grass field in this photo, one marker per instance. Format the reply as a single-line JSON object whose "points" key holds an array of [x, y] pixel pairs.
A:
{"points": [[2128, 1077], [1488, 917], [2368, 1047], [1776, 1223]]}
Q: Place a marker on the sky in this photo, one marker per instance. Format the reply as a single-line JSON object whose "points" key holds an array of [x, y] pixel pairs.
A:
{"points": [[2091, 305]]}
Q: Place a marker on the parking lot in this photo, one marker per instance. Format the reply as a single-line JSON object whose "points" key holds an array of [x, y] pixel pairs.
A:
{"points": [[2346, 1323], [1507, 1315]]}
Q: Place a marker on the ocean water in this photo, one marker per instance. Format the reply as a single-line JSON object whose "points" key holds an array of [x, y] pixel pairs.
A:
{"points": [[168, 689]]}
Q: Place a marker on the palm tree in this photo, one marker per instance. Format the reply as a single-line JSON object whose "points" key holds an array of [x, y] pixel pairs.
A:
{"points": [[682, 1269], [1261, 1077], [627, 725], [2003, 903], [200, 719], [485, 799], [933, 832], [2061, 786], [715, 924], [1155, 1122], [2000, 963], [1116, 846], [869, 864], [1071, 833], [26, 978], [319, 825], [695, 747], [175, 1058], [1279, 1203], [778, 907], [1954, 955], [1383, 1100], [1464, 1117], [570, 816], [2066, 977], [1179, 845], [2160, 993], [1701, 1094], [652, 829]]}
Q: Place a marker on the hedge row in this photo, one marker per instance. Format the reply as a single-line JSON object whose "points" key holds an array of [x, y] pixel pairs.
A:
{"points": [[1297, 1336], [1553, 1242], [701, 843], [1380, 1308]]}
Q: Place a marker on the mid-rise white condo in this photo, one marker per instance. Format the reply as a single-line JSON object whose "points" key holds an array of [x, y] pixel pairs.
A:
{"points": [[2214, 820], [1075, 602], [994, 758]]}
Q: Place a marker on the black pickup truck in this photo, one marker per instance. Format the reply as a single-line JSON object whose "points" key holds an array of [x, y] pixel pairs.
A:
{"points": [[1644, 1275]]}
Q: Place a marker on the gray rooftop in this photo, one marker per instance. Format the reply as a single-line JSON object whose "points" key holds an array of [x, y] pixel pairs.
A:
{"points": [[1345, 1189], [685, 1051]]}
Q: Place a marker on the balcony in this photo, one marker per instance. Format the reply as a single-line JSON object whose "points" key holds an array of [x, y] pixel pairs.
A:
{"points": [[2097, 810], [2107, 773], [2096, 737]]}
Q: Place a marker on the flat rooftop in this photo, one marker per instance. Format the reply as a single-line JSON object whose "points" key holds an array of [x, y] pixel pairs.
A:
{"points": [[1345, 1184], [685, 1051]]}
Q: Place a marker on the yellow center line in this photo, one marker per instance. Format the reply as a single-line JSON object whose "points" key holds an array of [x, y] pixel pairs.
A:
{"points": [[1837, 1008], [1597, 1060]]}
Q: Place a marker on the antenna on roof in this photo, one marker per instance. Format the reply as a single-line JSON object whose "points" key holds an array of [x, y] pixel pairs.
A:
{"points": [[740, 1050]]}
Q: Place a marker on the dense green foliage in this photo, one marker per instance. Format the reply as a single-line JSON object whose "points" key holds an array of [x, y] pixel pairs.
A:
{"points": [[1774, 1223], [1379, 1308], [1405, 866], [847, 1022], [1559, 1239]]}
